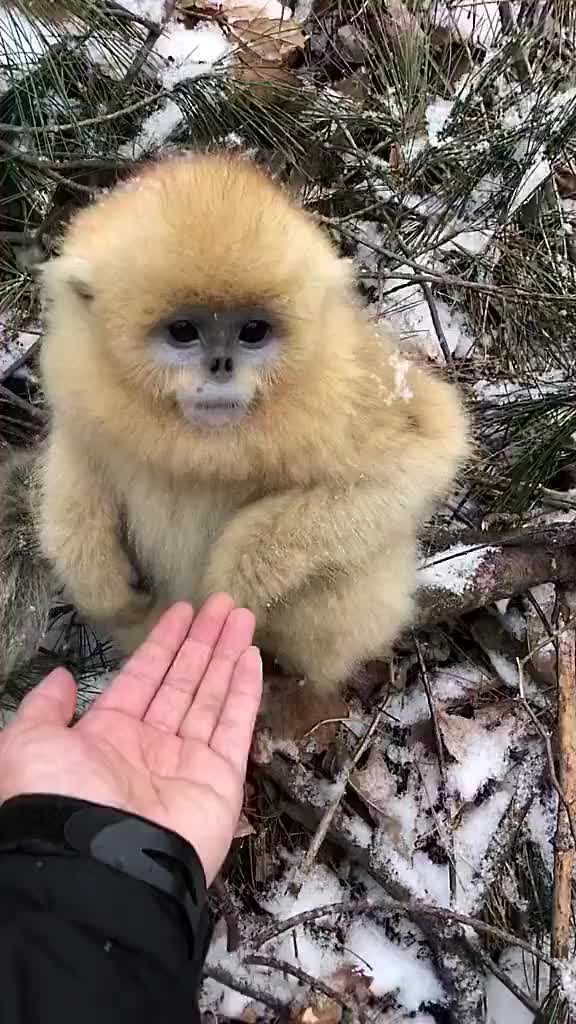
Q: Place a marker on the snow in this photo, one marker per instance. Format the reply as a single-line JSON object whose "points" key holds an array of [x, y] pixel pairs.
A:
{"points": [[189, 53], [471, 841], [538, 173], [393, 968], [320, 889], [13, 348], [152, 10], [567, 971], [460, 683], [407, 311], [505, 668], [481, 754], [437, 115], [154, 131], [501, 1005], [455, 568], [21, 40], [472, 21], [541, 822]]}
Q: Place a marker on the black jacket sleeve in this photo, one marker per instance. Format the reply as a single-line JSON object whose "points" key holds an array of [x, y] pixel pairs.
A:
{"points": [[84, 943]]}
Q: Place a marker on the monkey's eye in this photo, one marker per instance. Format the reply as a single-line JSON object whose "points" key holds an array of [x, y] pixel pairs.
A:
{"points": [[254, 332], [183, 332]]}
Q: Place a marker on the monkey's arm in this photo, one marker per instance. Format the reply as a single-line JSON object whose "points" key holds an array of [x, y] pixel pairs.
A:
{"points": [[278, 544], [283, 541], [80, 534]]}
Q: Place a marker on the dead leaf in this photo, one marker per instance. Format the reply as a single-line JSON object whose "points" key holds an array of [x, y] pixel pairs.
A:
{"points": [[349, 980], [244, 828], [273, 40], [565, 178], [250, 1016], [322, 1011], [396, 158]]}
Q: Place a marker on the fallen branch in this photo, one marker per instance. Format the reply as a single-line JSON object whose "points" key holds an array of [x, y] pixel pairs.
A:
{"points": [[497, 572], [34, 411], [413, 908]]}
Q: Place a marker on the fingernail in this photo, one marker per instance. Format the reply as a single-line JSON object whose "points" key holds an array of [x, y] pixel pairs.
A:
{"points": [[256, 658]]}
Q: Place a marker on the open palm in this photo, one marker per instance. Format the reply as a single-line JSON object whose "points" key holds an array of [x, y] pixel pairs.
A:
{"points": [[168, 739]]}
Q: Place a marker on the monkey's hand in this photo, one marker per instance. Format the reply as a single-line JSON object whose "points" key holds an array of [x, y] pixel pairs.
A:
{"points": [[108, 592], [278, 544], [249, 562], [80, 537]]}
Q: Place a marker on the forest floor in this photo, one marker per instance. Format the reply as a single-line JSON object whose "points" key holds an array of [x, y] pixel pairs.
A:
{"points": [[413, 861]]}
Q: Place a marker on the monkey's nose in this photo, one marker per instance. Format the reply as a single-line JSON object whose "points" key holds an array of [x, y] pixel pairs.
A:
{"points": [[221, 366]]}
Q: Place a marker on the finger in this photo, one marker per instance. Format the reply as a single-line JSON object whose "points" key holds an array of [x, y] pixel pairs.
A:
{"points": [[233, 733], [51, 702], [208, 702], [142, 675], [172, 701]]}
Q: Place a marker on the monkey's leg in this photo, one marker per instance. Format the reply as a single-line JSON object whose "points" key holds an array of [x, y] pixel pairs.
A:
{"points": [[80, 536], [326, 631]]}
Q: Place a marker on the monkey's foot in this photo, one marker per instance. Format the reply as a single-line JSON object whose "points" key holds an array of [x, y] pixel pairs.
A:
{"points": [[292, 709]]}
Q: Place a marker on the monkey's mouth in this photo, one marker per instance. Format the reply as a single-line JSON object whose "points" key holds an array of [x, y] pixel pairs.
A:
{"points": [[213, 412], [218, 406]]}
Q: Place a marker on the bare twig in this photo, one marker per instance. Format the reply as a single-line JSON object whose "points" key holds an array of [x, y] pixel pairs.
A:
{"points": [[154, 33], [545, 735], [411, 907], [448, 837], [31, 410], [271, 962], [503, 840], [432, 277], [427, 292], [490, 965], [228, 909], [224, 977], [54, 129], [328, 816], [39, 163]]}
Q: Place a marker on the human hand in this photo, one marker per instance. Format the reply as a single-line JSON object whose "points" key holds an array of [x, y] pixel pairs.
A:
{"points": [[168, 739]]}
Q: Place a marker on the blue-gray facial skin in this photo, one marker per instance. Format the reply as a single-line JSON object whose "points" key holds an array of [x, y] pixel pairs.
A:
{"points": [[218, 356]]}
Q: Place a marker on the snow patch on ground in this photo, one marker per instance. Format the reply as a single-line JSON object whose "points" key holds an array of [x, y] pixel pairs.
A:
{"points": [[189, 53]]}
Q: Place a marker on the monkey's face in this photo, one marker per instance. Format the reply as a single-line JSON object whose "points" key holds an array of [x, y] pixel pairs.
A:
{"points": [[219, 359], [200, 290]]}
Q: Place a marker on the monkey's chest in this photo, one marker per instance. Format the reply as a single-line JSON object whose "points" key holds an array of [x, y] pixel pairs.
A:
{"points": [[172, 530]]}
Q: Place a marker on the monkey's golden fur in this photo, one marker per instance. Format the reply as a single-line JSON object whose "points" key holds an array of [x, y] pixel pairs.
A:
{"points": [[307, 510]]}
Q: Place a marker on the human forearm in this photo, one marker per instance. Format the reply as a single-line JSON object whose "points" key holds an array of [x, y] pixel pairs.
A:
{"points": [[86, 940]]}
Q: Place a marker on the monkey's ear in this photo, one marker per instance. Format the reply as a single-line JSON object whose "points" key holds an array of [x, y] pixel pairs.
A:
{"points": [[68, 272]]}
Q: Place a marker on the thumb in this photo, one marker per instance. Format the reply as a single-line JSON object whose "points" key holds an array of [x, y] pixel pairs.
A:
{"points": [[52, 702]]}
